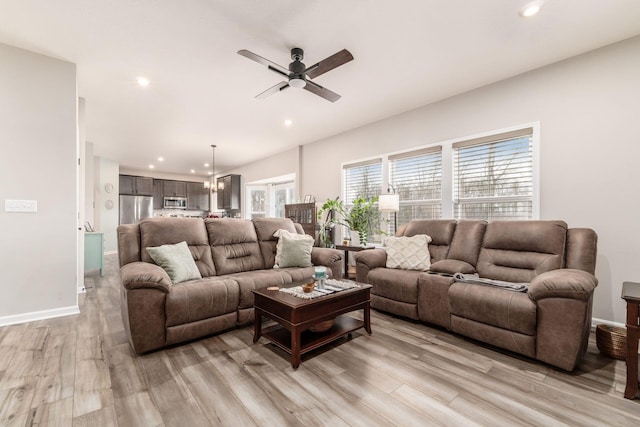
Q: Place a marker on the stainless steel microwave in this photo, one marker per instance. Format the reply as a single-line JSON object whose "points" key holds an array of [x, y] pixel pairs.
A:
{"points": [[175, 203]]}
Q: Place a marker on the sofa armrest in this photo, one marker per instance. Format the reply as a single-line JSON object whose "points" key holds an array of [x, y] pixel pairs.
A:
{"points": [[563, 283], [564, 300], [144, 275], [331, 258], [368, 260], [452, 266]]}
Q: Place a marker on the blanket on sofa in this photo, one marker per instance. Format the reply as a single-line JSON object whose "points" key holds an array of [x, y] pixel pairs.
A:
{"points": [[476, 280]]}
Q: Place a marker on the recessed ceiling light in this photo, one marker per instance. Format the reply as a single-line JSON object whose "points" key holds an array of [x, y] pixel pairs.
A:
{"points": [[209, 173], [193, 171], [151, 166], [142, 81], [161, 159], [531, 8], [206, 165], [288, 122]]}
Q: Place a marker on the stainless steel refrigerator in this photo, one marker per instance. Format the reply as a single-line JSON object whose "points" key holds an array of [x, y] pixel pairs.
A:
{"points": [[133, 209]]}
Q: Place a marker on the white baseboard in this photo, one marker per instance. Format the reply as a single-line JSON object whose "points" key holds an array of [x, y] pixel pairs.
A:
{"points": [[595, 322], [39, 315], [82, 290]]}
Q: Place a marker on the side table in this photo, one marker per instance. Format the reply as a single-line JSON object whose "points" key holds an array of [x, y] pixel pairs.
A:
{"points": [[346, 250], [631, 294]]}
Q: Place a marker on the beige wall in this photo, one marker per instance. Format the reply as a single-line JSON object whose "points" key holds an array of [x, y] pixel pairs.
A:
{"points": [[588, 111], [38, 138]]}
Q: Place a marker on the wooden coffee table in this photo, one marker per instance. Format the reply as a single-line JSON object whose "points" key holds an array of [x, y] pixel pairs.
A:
{"points": [[296, 315]]}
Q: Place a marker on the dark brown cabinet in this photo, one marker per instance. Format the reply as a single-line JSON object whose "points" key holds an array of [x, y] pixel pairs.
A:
{"points": [[158, 194], [228, 192], [136, 185], [175, 188], [197, 196], [304, 214]]}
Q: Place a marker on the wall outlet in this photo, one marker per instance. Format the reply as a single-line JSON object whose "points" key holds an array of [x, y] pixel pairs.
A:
{"points": [[21, 206]]}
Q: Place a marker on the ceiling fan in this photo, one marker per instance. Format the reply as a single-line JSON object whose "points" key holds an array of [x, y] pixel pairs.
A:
{"points": [[299, 75]]}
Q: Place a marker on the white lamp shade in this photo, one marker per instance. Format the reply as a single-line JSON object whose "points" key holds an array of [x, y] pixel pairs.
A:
{"points": [[389, 203]]}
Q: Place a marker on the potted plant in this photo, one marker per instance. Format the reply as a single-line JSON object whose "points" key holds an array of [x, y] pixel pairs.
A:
{"points": [[331, 207], [359, 219]]}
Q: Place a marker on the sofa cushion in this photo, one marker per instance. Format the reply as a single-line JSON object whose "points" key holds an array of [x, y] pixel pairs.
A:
{"points": [[176, 260], [513, 311], [168, 231], [397, 285], [409, 253], [200, 299], [258, 279], [265, 230], [440, 230], [518, 251], [467, 240], [292, 249], [234, 245]]}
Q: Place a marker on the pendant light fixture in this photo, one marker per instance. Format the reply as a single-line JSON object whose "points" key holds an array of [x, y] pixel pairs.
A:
{"points": [[213, 165]]}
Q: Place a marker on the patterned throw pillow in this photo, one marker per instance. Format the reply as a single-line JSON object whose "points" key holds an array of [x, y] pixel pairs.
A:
{"points": [[176, 260], [293, 249], [408, 253]]}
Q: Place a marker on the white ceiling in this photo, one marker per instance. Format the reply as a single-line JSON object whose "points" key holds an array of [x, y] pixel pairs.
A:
{"points": [[407, 53]]}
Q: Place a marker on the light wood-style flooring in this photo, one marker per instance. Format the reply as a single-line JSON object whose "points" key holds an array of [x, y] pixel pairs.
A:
{"points": [[80, 371]]}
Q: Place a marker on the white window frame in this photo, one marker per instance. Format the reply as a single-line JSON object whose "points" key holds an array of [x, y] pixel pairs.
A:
{"points": [[447, 165]]}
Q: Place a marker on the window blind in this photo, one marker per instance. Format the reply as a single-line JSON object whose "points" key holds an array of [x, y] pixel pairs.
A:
{"points": [[417, 178], [362, 180], [494, 180]]}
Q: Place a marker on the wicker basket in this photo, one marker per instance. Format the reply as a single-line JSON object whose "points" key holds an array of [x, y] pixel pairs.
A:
{"points": [[612, 341]]}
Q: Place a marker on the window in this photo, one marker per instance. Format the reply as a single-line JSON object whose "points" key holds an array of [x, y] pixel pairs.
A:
{"points": [[363, 180], [257, 202], [268, 200], [416, 177], [493, 177]]}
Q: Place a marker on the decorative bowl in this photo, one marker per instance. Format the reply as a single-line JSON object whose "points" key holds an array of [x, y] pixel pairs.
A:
{"points": [[308, 287], [323, 326]]}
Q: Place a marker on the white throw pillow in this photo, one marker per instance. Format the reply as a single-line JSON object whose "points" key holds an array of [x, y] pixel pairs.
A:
{"points": [[293, 249], [408, 253]]}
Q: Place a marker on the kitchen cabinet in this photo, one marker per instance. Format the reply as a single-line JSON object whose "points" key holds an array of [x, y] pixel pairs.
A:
{"points": [[228, 192], [175, 188], [127, 184], [136, 185], [197, 196], [158, 194]]}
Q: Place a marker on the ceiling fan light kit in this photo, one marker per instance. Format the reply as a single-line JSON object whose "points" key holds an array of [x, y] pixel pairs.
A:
{"points": [[298, 74]]}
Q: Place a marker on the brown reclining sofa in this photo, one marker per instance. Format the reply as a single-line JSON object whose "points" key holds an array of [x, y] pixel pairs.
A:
{"points": [[550, 322], [233, 256]]}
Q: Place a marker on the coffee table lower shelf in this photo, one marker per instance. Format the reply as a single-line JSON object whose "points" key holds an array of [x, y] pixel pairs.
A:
{"points": [[311, 340]]}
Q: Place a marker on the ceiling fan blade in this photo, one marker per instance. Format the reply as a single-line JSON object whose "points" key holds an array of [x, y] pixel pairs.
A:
{"points": [[273, 89], [260, 60], [322, 91], [329, 63]]}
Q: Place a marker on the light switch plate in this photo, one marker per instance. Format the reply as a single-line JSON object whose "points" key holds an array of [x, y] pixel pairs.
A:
{"points": [[21, 206]]}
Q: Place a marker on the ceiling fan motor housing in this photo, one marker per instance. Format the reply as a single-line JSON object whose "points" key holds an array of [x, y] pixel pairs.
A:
{"points": [[297, 67]]}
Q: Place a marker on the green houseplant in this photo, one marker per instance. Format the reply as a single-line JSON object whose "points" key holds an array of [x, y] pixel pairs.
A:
{"points": [[360, 218], [327, 224]]}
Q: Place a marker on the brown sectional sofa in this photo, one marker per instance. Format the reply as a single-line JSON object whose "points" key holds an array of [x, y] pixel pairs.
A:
{"points": [[233, 256], [550, 322]]}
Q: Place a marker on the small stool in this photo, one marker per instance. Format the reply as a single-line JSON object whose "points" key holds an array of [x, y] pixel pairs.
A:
{"points": [[631, 294]]}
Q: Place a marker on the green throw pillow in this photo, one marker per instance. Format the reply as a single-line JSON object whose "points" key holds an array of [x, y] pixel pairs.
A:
{"points": [[176, 260], [293, 250]]}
